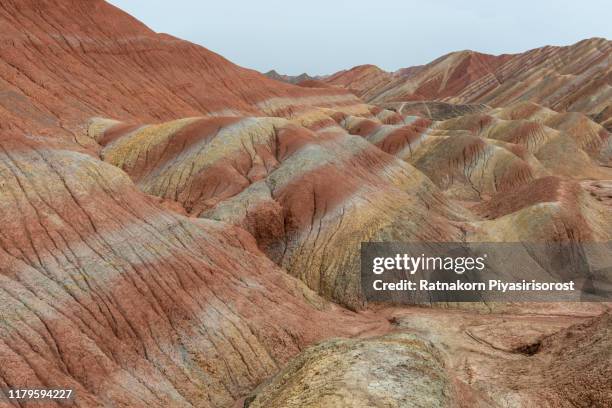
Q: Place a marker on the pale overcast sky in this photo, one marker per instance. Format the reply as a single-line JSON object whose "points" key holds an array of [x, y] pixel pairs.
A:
{"points": [[325, 36]]}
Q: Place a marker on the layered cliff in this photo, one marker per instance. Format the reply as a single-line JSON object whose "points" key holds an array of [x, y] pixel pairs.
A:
{"points": [[62, 62], [103, 288], [175, 229], [571, 78]]}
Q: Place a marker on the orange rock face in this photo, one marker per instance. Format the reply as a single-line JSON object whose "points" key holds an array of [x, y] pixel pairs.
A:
{"points": [[104, 289], [573, 78], [175, 229], [64, 61]]}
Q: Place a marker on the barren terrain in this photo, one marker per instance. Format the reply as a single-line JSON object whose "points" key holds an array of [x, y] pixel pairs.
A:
{"points": [[178, 231]]}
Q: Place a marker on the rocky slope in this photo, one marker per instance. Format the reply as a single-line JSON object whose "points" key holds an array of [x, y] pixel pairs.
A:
{"points": [[175, 229], [106, 292], [572, 78], [453, 360], [361, 80], [64, 61], [420, 180], [397, 370], [519, 360], [104, 288], [272, 177]]}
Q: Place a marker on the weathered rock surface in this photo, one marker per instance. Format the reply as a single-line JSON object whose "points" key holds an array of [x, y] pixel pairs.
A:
{"points": [[103, 288], [572, 78], [557, 359], [106, 292], [567, 144], [453, 359], [63, 61], [361, 80], [435, 110], [570, 368], [165, 274], [396, 371], [499, 165], [274, 178]]}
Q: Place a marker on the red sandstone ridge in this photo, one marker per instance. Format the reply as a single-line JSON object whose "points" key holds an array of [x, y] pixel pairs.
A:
{"points": [[312, 83], [442, 77], [104, 289], [106, 292], [360, 79], [62, 62], [572, 78], [177, 231]]}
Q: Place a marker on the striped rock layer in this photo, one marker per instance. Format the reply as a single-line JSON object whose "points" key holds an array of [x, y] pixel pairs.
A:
{"points": [[572, 78], [106, 292], [62, 61], [103, 288], [311, 189], [308, 197], [182, 247]]}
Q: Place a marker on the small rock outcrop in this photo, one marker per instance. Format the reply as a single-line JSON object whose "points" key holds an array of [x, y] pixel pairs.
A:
{"points": [[394, 371]]}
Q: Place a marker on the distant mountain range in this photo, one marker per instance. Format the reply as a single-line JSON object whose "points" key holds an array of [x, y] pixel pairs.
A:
{"points": [[289, 78], [575, 77]]}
